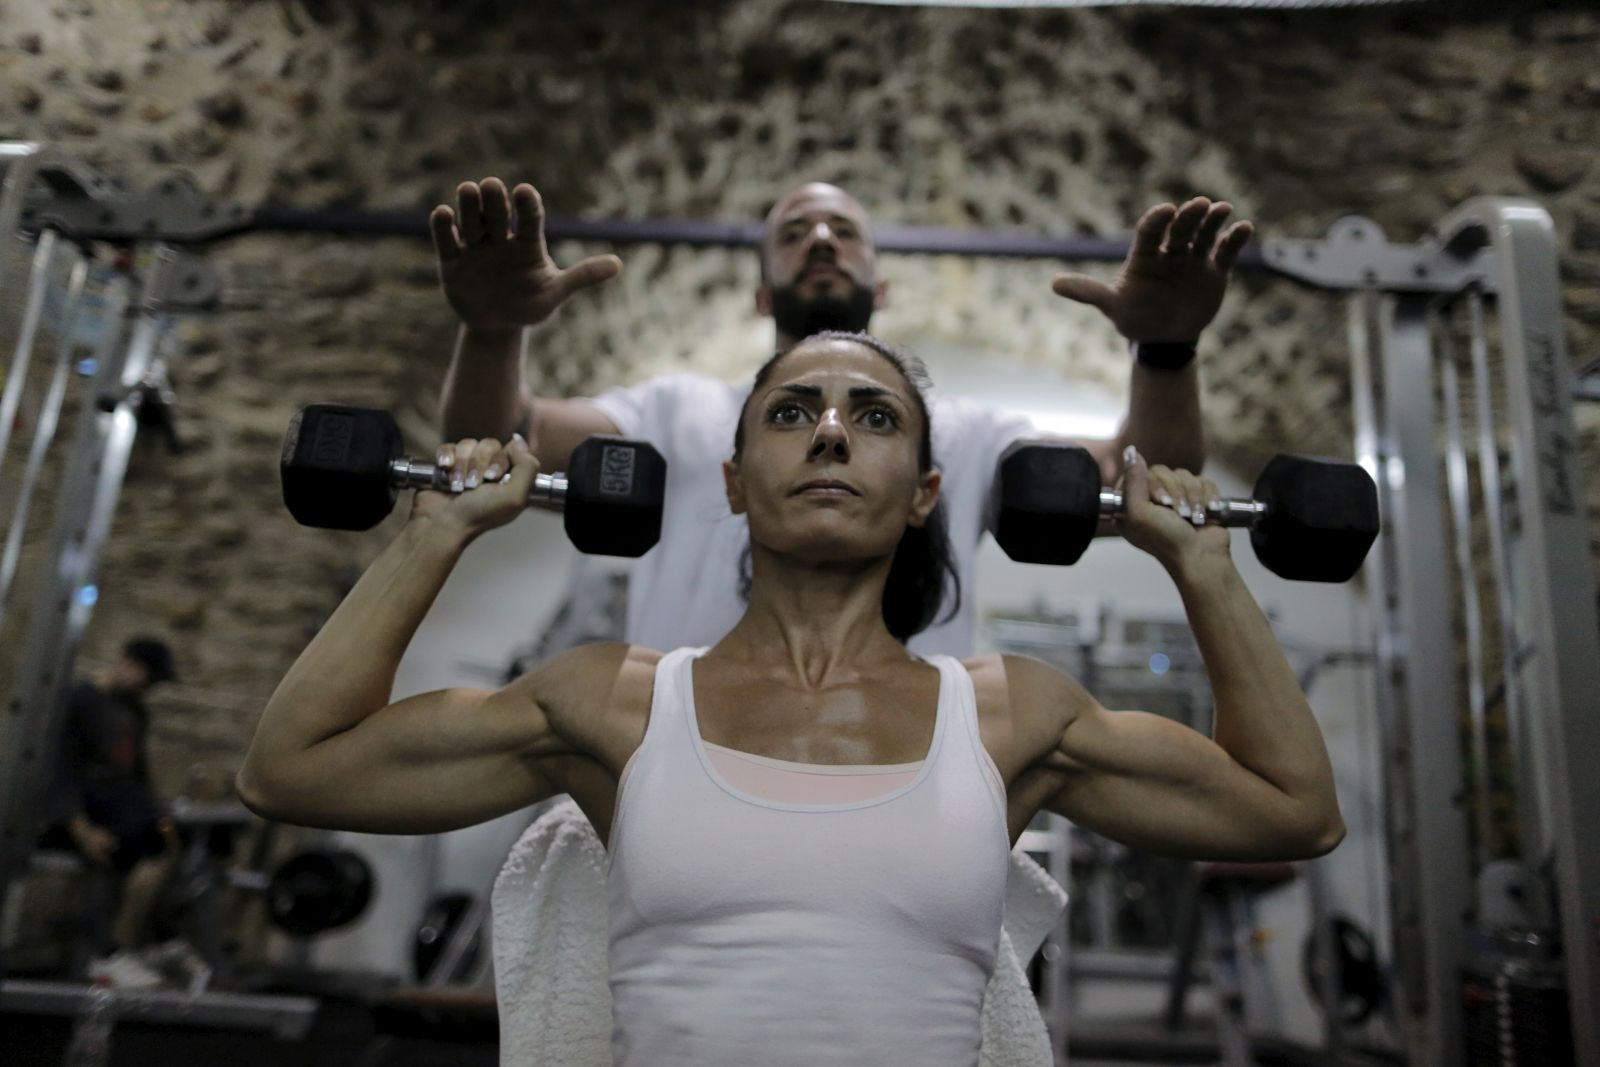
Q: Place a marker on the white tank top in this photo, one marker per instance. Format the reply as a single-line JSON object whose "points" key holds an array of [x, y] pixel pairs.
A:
{"points": [[747, 931]]}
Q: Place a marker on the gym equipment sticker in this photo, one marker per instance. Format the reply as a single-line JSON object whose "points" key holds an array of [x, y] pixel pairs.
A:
{"points": [[1551, 411]]}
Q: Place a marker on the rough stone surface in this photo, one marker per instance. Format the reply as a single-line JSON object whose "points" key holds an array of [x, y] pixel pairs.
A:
{"points": [[1046, 121]]}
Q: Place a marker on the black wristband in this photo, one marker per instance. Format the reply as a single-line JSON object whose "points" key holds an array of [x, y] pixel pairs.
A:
{"points": [[1163, 355]]}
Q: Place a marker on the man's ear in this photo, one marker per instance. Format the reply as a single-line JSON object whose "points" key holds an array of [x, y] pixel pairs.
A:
{"points": [[733, 486], [764, 300], [880, 295], [926, 500]]}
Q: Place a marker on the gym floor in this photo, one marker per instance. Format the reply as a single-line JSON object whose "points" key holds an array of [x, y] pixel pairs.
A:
{"points": [[351, 1034], [345, 1034]]}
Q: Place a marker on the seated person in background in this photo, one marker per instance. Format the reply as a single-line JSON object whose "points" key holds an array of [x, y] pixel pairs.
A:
{"points": [[808, 824], [102, 805]]}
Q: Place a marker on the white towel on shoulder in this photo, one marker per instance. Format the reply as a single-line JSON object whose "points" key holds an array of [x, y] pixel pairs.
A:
{"points": [[549, 907]]}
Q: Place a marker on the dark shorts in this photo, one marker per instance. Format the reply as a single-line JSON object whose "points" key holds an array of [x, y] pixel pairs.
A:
{"points": [[133, 844]]}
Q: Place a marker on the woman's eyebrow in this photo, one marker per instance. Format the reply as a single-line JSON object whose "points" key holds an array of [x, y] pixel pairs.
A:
{"points": [[857, 392]]}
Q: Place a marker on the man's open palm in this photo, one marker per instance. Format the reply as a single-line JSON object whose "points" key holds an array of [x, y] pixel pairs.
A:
{"points": [[1173, 281], [493, 264]]}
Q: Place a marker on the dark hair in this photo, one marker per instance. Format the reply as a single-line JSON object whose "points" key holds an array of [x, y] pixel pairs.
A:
{"points": [[154, 656], [923, 563]]}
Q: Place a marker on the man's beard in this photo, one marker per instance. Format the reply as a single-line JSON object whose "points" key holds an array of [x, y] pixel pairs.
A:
{"points": [[799, 317]]}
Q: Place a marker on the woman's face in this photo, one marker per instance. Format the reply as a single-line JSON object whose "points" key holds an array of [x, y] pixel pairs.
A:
{"points": [[829, 466]]}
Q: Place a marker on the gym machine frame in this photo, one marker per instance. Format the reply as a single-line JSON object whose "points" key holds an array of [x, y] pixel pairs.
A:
{"points": [[1502, 249], [129, 385]]}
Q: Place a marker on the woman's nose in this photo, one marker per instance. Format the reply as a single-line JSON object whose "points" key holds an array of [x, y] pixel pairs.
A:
{"points": [[831, 438]]}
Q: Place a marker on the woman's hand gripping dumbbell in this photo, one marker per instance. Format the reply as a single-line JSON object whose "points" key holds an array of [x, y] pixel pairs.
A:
{"points": [[342, 470]]}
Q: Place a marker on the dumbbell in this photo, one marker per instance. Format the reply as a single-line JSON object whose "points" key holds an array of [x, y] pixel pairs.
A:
{"points": [[342, 470], [1310, 520]]}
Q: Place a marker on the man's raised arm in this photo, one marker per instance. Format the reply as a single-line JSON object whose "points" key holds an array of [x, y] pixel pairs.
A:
{"points": [[1167, 291], [498, 276]]}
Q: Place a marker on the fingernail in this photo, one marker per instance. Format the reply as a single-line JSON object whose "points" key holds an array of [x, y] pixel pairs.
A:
{"points": [[445, 459], [1166, 498], [472, 480], [519, 439], [1129, 454], [1199, 517], [492, 473], [455, 485], [1183, 509], [1215, 504]]}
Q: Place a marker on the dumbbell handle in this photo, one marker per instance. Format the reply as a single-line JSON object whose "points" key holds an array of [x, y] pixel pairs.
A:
{"points": [[408, 473], [1233, 512]]}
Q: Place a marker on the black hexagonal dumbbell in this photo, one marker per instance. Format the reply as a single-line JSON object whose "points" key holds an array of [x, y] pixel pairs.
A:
{"points": [[1310, 519], [342, 470]]}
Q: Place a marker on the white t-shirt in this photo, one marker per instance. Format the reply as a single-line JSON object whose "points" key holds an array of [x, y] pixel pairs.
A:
{"points": [[685, 590]]}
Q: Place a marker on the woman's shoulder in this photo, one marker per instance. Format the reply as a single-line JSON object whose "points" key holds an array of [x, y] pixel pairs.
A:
{"points": [[1017, 685], [595, 693], [1024, 707], [598, 668]]}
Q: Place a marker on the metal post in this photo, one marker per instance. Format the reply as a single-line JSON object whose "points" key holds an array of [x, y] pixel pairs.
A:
{"points": [[44, 254], [1427, 839], [49, 416], [1471, 609], [1383, 589], [1494, 495]]}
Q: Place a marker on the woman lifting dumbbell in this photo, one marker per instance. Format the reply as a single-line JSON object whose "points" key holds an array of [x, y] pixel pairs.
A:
{"points": [[808, 826]]}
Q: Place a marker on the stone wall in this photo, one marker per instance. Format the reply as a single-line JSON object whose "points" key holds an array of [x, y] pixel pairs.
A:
{"points": [[1049, 121]]}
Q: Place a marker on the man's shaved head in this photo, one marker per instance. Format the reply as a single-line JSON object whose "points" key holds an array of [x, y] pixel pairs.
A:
{"points": [[818, 263], [817, 190]]}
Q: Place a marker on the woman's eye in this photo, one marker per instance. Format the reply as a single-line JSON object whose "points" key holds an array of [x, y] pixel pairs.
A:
{"points": [[786, 413], [880, 419]]}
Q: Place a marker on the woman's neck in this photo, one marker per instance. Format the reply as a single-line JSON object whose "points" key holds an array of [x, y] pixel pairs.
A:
{"points": [[820, 622]]}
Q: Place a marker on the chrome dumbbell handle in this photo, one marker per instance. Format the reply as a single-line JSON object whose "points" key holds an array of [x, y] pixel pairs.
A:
{"points": [[408, 473], [1233, 512]]}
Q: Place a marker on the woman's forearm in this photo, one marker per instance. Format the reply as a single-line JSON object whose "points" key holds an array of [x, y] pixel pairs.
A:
{"points": [[1262, 717], [347, 671]]}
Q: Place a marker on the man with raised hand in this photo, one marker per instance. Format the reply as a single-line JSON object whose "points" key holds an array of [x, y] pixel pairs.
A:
{"points": [[818, 272]]}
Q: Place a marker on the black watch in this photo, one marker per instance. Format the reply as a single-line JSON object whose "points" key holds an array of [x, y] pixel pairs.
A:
{"points": [[1163, 355]]}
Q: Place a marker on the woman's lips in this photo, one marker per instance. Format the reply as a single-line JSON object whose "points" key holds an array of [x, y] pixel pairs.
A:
{"points": [[826, 488]]}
